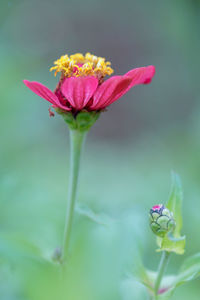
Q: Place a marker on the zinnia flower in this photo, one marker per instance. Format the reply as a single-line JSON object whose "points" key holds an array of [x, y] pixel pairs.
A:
{"points": [[82, 86]]}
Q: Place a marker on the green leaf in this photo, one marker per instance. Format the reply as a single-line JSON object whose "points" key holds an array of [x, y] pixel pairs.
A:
{"points": [[165, 244], [142, 275], [174, 203], [176, 242], [190, 269], [14, 247], [167, 284], [174, 239], [132, 289], [87, 212], [190, 262]]}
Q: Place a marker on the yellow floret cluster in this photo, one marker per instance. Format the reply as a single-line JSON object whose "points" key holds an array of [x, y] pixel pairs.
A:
{"points": [[82, 65]]}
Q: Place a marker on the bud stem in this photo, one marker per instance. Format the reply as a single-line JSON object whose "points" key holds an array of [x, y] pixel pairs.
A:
{"points": [[76, 144], [161, 269]]}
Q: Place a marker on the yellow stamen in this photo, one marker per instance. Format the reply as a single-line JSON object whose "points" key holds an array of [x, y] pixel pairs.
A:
{"points": [[80, 65]]}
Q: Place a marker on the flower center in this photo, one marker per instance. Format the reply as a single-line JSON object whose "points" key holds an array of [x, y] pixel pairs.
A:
{"points": [[80, 65]]}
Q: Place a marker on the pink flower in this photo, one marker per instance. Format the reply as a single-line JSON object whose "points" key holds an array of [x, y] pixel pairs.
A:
{"points": [[82, 84]]}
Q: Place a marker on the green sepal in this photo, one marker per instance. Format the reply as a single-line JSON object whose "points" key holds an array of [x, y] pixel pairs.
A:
{"points": [[175, 242], [85, 119], [81, 121], [70, 120]]}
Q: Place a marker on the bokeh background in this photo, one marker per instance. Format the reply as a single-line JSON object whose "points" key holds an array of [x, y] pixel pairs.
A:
{"points": [[128, 156]]}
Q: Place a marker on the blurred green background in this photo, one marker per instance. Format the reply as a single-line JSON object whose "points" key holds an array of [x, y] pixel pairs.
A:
{"points": [[128, 155]]}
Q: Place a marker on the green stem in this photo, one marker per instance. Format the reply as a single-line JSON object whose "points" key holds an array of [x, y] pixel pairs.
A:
{"points": [[76, 144], [161, 269]]}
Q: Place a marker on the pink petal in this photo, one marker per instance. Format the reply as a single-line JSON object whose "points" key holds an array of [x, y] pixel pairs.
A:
{"points": [[41, 91], [45, 93], [79, 90], [109, 90], [141, 75]]}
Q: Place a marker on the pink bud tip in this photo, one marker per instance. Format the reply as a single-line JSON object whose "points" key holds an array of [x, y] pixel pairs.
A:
{"points": [[157, 207]]}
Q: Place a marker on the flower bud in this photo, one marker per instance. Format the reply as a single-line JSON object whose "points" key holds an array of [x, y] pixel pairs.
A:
{"points": [[161, 220]]}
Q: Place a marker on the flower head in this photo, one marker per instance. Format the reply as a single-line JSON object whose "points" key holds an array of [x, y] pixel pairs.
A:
{"points": [[161, 220], [82, 85], [82, 65]]}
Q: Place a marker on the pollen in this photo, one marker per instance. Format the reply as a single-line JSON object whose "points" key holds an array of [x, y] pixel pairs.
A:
{"points": [[82, 65]]}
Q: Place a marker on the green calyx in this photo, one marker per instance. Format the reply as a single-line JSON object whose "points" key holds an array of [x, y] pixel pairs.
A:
{"points": [[81, 121], [161, 221]]}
